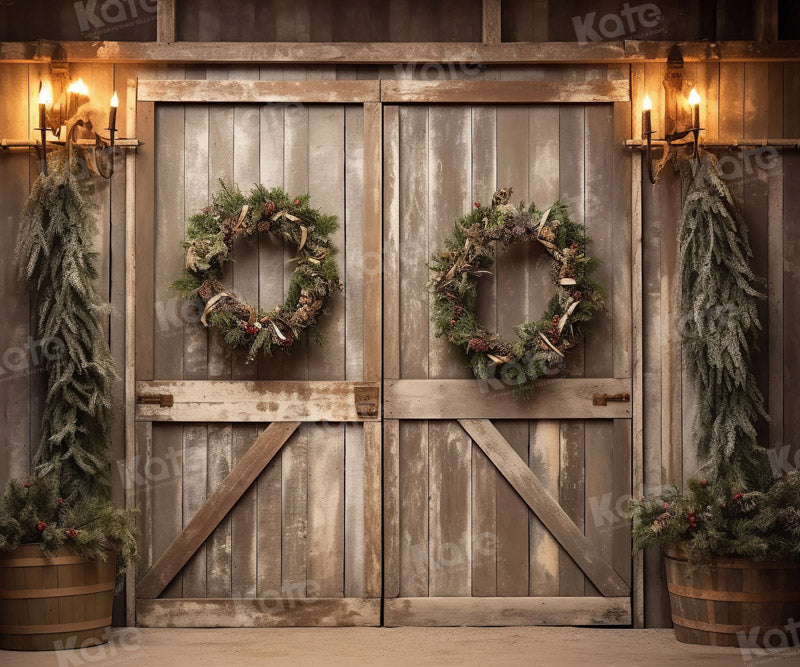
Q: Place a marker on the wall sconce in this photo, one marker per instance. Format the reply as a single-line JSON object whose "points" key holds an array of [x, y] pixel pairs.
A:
{"points": [[77, 95], [693, 129]]}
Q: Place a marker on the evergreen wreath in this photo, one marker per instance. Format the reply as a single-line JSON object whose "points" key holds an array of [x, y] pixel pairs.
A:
{"points": [[209, 246], [469, 255]]}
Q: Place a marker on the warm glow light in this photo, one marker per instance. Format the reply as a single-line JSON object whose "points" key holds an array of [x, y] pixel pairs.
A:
{"points": [[647, 104], [45, 95], [78, 87], [694, 98], [115, 100]]}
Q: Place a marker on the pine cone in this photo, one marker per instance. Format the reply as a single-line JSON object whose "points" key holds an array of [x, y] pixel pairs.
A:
{"points": [[502, 196], [478, 345], [206, 290], [269, 207], [660, 522]]}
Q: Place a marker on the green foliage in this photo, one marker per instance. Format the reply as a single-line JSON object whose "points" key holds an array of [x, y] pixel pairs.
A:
{"points": [[33, 513], [469, 254], [54, 256], [209, 245], [719, 297], [713, 518], [739, 509]]}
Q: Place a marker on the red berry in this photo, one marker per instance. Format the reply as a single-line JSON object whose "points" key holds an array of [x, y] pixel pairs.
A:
{"points": [[60, 501], [738, 495], [27, 485], [666, 504], [41, 526], [296, 202], [477, 204], [452, 323], [704, 482]]}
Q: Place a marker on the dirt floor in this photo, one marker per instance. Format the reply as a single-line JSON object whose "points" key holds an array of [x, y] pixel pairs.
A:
{"points": [[399, 646]]}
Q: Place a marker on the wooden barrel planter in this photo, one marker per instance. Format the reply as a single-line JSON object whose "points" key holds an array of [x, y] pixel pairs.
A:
{"points": [[54, 603], [737, 602]]}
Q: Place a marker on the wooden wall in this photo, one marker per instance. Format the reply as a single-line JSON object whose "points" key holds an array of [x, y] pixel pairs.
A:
{"points": [[739, 100]]}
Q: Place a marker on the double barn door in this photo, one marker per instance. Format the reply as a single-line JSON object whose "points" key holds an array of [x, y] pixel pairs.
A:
{"points": [[374, 479]]}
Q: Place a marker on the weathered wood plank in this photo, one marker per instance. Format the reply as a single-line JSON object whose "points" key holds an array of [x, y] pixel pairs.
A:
{"points": [[372, 233], [248, 91], [514, 269], [546, 508], [490, 25], [502, 92], [292, 51], [15, 387], [215, 508], [372, 509], [391, 243], [391, 508], [256, 401], [450, 450], [165, 21], [567, 398], [453, 611], [258, 613]]}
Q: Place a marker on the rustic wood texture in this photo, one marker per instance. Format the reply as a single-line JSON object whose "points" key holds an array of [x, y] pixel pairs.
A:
{"points": [[21, 422], [452, 399], [257, 401], [46, 602], [258, 612], [454, 611], [530, 489], [523, 92], [243, 91], [437, 160], [301, 52], [214, 509]]}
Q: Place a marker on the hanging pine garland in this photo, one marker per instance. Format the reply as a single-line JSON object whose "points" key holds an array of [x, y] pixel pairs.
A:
{"points": [[54, 256], [209, 246], [719, 297], [469, 255]]}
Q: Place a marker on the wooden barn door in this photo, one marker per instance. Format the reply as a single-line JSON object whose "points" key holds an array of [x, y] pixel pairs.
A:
{"points": [[258, 485], [499, 511]]}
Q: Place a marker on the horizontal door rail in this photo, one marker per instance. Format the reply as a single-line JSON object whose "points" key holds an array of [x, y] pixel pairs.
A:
{"points": [[258, 401], [567, 398], [505, 92], [262, 92], [507, 53]]}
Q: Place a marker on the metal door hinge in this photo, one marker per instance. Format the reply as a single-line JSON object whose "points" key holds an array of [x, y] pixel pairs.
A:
{"points": [[162, 400], [366, 399], [602, 399]]}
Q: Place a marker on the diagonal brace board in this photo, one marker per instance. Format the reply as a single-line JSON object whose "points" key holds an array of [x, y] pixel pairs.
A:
{"points": [[215, 509], [549, 512]]}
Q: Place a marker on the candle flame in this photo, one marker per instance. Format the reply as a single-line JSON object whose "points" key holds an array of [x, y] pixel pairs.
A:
{"points": [[115, 100], [694, 98], [45, 95], [647, 104], [78, 87]]}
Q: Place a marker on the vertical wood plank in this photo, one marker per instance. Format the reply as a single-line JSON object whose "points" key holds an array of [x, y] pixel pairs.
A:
{"points": [[449, 548], [484, 474], [326, 493], [165, 26], [294, 457], [246, 163], [413, 348], [220, 436], [15, 387]]}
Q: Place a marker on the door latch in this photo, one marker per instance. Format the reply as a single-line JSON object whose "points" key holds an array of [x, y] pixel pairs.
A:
{"points": [[161, 400], [602, 399], [366, 399]]}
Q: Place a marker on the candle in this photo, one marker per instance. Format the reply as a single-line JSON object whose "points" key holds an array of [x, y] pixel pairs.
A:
{"points": [[647, 105], [112, 114], [694, 102], [45, 98]]}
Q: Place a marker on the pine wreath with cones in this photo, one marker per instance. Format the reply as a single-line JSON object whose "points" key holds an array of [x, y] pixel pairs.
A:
{"points": [[469, 252], [209, 245]]}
